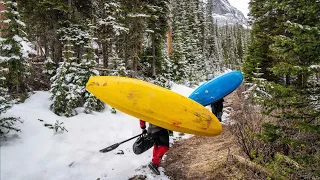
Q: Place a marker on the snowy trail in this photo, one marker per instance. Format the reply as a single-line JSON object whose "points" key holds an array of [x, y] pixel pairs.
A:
{"points": [[38, 153]]}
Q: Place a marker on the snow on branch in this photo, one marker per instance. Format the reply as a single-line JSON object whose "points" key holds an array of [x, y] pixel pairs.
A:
{"points": [[139, 15]]}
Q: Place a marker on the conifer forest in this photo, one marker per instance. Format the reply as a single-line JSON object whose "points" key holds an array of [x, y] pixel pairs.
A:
{"points": [[55, 46]]}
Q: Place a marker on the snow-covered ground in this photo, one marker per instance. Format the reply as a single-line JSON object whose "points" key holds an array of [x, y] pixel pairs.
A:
{"points": [[39, 153]]}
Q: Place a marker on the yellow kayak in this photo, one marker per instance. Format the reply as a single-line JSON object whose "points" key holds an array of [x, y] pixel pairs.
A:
{"points": [[154, 104]]}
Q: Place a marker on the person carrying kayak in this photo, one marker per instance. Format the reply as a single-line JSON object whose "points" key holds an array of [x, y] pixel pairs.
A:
{"points": [[160, 137], [216, 108]]}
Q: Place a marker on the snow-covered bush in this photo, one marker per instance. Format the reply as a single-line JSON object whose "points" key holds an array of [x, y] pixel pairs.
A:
{"points": [[49, 67], [68, 84], [6, 123], [11, 47]]}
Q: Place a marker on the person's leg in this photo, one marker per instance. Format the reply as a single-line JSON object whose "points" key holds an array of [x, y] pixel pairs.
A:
{"points": [[154, 154], [212, 108], [162, 148], [161, 141], [219, 116], [160, 152]]}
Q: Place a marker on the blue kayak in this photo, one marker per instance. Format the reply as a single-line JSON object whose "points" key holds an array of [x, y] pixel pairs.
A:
{"points": [[217, 88]]}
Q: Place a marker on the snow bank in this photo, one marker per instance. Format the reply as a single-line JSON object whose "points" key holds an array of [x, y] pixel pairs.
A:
{"points": [[39, 153]]}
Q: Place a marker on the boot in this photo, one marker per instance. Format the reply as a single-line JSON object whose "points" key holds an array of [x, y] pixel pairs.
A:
{"points": [[154, 168]]}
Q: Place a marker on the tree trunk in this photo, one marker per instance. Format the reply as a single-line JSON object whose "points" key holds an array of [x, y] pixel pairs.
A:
{"points": [[56, 47], [53, 52], [134, 61], [79, 52], [137, 49], [46, 49], [302, 80], [97, 51], [287, 79], [110, 45], [169, 42], [105, 54], [57, 52], [69, 4], [153, 67], [126, 52]]}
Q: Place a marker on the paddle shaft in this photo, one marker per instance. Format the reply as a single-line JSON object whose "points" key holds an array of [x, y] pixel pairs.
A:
{"points": [[114, 146]]}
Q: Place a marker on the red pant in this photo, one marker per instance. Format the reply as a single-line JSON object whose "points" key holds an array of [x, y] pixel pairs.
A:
{"points": [[158, 152]]}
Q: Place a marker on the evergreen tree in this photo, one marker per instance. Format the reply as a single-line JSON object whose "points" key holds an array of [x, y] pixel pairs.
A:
{"points": [[68, 85], [4, 98], [6, 123], [49, 67], [136, 21], [180, 41], [210, 41], [44, 18], [119, 67], [239, 53], [155, 56], [109, 22], [165, 76], [205, 46], [262, 20], [131, 35], [288, 57], [87, 70], [179, 61], [65, 94], [11, 55]]}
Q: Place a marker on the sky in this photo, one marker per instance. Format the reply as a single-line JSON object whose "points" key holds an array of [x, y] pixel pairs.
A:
{"points": [[242, 5]]}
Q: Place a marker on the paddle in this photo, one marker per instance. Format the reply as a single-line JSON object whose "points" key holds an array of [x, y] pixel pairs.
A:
{"points": [[114, 146]]}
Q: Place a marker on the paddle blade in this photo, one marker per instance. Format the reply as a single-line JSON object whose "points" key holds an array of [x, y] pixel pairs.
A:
{"points": [[110, 148]]}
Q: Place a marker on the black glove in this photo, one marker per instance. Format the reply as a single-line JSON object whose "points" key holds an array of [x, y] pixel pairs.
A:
{"points": [[144, 131]]}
